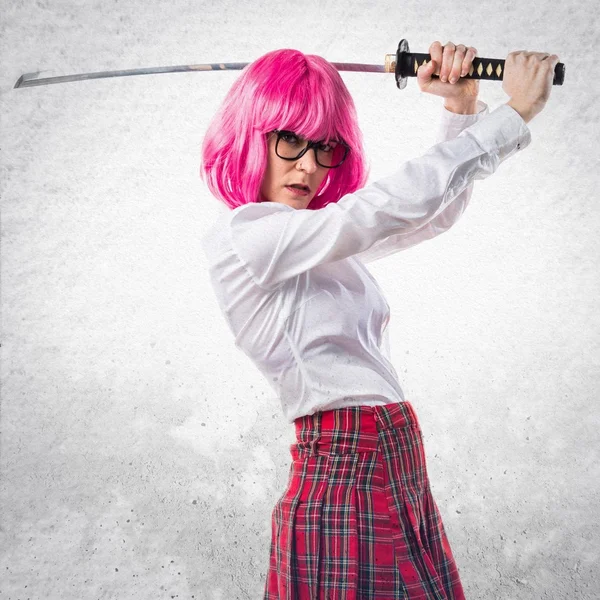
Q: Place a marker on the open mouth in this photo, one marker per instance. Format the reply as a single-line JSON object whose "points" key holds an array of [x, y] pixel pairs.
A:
{"points": [[297, 188]]}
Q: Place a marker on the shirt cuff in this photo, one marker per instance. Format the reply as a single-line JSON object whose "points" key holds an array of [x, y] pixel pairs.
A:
{"points": [[455, 117], [502, 132], [452, 124]]}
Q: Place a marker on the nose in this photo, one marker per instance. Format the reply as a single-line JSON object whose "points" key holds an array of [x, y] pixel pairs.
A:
{"points": [[308, 162]]}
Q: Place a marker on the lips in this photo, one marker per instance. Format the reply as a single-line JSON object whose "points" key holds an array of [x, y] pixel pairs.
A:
{"points": [[298, 189], [299, 186]]}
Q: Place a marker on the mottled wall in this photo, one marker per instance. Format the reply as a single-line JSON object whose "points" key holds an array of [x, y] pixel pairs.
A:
{"points": [[141, 452]]}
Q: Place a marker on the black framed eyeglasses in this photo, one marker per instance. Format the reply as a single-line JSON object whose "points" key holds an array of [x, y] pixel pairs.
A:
{"points": [[291, 146]]}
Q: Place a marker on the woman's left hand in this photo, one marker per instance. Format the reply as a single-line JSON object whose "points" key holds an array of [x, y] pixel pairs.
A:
{"points": [[450, 63]]}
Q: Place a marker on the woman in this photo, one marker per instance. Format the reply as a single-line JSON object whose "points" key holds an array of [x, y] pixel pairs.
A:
{"points": [[284, 152]]}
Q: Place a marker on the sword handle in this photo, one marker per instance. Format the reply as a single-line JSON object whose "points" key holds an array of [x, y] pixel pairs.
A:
{"points": [[405, 64]]}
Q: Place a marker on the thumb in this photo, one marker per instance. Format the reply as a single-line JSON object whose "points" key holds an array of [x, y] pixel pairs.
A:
{"points": [[424, 73]]}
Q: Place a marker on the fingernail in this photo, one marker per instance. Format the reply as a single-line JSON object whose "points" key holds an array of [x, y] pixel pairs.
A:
{"points": [[444, 79], [452, 79]]}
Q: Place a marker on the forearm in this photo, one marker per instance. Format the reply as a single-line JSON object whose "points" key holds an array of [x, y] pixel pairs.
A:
{"points": [[462, 106]]}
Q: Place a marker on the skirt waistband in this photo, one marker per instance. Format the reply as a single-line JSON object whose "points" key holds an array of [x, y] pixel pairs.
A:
{"points": [[350, 429]]}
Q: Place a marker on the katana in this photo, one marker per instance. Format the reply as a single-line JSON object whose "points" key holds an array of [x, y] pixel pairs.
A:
{"points": [[403, 64]]}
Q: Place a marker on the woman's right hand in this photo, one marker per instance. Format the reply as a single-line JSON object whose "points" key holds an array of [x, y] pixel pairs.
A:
{"points": [[528, 80]]}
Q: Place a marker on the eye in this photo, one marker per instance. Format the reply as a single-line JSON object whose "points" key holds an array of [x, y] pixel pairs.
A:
{"points": [[328, 146], [289, 137]]}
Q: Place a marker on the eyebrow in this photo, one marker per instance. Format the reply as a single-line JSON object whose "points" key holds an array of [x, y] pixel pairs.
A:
{"points": [[298, 135]]}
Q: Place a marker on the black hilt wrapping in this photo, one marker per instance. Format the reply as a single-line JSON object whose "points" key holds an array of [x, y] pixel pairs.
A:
{"points": [[492, 69]]}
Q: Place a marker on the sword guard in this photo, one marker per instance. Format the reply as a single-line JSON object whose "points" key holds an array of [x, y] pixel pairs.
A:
{"points": [[402, 66]]}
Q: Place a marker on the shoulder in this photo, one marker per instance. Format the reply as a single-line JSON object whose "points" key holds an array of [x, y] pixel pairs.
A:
{"points": [[256, 219], [255, 210], [241, 218]]}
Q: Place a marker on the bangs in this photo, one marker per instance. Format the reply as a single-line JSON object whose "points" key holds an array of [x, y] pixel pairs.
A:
{"points": [[309, 116], [305, 104]]}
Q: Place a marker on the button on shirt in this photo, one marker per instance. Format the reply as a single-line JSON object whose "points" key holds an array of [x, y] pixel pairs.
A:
{"points": [[292, 283]]}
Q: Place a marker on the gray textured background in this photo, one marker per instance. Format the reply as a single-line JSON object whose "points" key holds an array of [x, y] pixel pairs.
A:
{"points": [[141, 453]]}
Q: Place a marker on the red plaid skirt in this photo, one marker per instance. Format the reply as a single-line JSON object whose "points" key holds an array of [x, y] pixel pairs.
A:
{"points": [[357, 520]]}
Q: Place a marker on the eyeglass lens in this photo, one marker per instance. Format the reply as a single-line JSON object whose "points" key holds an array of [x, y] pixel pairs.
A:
{"points": [[290, 146]]}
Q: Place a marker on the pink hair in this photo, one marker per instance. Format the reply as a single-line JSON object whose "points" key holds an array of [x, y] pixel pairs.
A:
{"points": [[284, 89]]}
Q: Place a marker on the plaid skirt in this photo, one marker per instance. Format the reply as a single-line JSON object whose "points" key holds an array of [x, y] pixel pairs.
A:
{"points": [[357, 520]]}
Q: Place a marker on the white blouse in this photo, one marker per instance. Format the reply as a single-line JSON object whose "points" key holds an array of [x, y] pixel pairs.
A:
{"points": [[292, 285]]}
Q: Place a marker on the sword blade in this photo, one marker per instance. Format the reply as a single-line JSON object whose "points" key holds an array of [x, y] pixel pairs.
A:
{"points": [[33, 79]]}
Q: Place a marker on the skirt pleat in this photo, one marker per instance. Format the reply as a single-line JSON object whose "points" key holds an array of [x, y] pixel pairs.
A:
{"points": [[357, 520]]}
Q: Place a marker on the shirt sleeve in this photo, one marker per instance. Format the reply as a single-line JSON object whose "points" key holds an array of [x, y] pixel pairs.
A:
{"points": [[276, 242], [450, 126]]}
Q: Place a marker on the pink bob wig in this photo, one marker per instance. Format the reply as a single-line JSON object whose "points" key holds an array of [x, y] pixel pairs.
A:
{"points": [[284, 89]]}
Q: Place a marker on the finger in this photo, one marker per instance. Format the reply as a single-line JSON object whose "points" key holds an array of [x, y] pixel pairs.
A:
{"points": [[457, 61], [447, 60], [424, 73], [435, 51], [553, 60], [468, 61]]}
